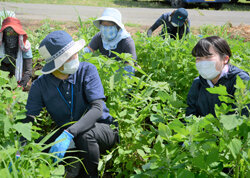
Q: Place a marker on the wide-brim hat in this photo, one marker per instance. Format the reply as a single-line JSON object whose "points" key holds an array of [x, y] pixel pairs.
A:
{"points": [[179, 17], [56, 48], [15, 24], [112, 15]]}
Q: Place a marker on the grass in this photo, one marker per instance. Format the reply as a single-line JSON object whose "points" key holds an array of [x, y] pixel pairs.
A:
{"points": [[132, 25], [243, 5]]}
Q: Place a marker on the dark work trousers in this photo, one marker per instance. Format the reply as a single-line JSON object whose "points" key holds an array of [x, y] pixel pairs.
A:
{"points": [[91, 143], [8, 67]]}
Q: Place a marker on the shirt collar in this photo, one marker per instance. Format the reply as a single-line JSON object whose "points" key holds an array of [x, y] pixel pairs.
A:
{"points": [[56, 81]]}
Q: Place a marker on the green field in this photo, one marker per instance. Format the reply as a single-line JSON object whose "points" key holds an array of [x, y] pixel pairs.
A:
{"points": [[150, 109]]}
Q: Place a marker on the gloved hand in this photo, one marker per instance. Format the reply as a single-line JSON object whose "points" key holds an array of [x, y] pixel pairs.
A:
{"points": [[86, 50], [10, 165], [60, 147], [130, 70], [149, 33]]}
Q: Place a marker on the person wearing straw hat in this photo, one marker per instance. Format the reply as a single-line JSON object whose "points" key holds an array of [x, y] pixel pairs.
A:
{"points": [[15, 51], [72, 91], [174, 23], [112, 37]]}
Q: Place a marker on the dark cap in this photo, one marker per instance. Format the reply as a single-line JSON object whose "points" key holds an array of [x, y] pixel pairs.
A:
{"points": [[179, 16]]}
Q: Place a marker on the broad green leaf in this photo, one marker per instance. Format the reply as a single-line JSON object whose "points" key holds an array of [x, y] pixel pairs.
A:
{"points": [[44, 170], [230, 121], [7, 124], [156, 118], [221, 90], [123, 113], [5, 172], [24, 129], [199, 161], [178, 127], [111, 82], [235, 147], [164, 131], [163, 96], [239, 83], [141, 153], [212, 157], [59, 171], [38, 72], [183, 173], [226, 99]]}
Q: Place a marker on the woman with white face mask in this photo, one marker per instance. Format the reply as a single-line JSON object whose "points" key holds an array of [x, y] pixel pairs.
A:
{"points": [[174, 23], [72, 91], [212, 62], [112, 37]]}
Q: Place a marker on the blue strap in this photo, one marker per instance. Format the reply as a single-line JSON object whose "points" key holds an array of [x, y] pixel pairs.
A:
{"points": [[69, 106]]}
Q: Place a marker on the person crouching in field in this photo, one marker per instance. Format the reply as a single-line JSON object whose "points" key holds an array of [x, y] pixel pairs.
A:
{"points": [[112, 37], [72, 91], [15, 51], [212, 62], [174, 23]]}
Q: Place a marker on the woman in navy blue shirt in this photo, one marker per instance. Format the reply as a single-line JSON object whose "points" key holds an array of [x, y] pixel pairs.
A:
{"points": [[212, 62], [72, 91]]}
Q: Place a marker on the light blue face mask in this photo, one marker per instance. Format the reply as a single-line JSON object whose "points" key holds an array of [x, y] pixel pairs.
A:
{"points": [[108, 32]]}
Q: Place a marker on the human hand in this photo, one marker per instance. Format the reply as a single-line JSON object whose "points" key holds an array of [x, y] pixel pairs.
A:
{"points": [[129, 68], [63, 144], [149, 33]]}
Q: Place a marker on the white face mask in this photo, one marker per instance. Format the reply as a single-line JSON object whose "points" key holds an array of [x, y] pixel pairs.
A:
{"points": [[174, 24], [70, 67], [207, 69]]}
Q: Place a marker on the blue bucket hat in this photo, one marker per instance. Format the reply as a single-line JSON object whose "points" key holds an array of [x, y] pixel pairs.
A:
{"points": [[179, 16], [112, 15], [56, 48]]}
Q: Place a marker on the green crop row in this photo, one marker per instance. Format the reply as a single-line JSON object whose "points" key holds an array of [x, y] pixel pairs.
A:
{"points": [[157, 139]]}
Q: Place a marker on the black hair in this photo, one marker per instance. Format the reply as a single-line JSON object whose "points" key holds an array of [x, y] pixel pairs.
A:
{"points": [[220, 45]]}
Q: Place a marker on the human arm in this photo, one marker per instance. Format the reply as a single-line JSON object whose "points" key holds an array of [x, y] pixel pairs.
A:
{"points": [[86, 122], [27, 72], [157, 23], [89, 119], [95, 42], [94, 94], [129, 47]]}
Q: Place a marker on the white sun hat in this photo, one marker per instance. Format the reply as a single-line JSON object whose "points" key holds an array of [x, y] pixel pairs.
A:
{"points": [[112, 15]]}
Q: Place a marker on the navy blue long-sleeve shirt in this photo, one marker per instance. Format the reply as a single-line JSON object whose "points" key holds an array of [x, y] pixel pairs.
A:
{"points": [[165, 20], [201, 102]]}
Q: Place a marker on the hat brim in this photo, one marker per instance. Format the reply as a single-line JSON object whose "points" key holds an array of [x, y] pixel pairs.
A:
{"points": [[107, 18], [60, 60]]}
